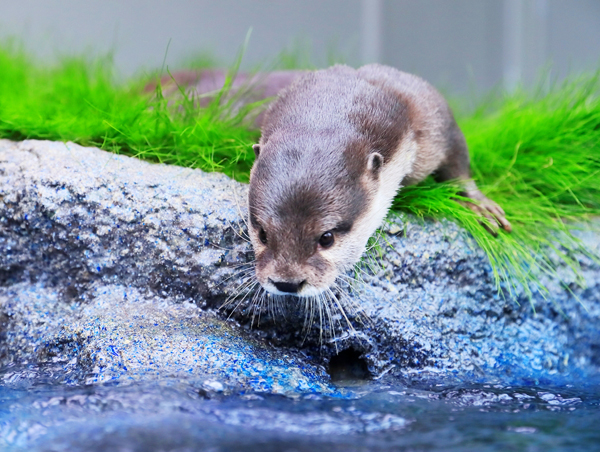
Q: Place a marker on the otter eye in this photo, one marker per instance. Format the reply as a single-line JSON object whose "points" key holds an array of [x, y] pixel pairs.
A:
{"points": [[326, 239], [262, 235]]}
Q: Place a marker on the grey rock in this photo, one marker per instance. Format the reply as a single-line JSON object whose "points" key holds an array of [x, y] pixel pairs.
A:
{"points": [[105, 261]]}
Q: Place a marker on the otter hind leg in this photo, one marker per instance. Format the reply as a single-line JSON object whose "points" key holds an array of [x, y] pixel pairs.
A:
{"points": [[457, 166]]}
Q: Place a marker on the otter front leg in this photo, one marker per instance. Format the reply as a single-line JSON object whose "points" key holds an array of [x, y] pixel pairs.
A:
{"points": [[484, 206], [457, 166]]}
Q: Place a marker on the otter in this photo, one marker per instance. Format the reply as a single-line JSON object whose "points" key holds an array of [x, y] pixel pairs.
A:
{"points": [[336, 145], [205, 84]]}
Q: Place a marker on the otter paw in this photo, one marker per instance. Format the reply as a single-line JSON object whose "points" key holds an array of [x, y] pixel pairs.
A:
{"points": [[490, 210]]}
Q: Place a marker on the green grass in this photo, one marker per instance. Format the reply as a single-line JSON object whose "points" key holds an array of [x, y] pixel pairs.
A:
{"points": [[538, 155], [79, 100]]}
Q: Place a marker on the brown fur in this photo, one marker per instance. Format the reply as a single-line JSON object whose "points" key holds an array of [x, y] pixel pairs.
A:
{"points": [[205, 83], [335, 147], [311, 173]]}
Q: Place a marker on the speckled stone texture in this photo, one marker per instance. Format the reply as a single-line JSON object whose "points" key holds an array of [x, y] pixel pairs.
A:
{"points": [[113, 268], [103, 261]]}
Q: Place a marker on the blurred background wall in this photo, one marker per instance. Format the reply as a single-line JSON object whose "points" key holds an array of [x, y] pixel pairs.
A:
{"points": [[459, 45]]}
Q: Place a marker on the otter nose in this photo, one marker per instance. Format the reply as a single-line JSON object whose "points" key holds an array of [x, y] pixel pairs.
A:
{"points": [[288, 287]]}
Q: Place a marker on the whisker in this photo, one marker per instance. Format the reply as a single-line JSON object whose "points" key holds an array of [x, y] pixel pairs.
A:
{"points": [[214, 245], [273, 301], [279, 303], [306, 313], [328, 313], [241, 273], [255, 305], [339, 306], [251, 281], [332, 321], [247, 279], [240, 235], [235, 197], [358, 310], [245, 282], [355, 279], [320, 306], [311, 314], [269, 300], [264, 302], [236, 266], [350, 282], [243, 299]]}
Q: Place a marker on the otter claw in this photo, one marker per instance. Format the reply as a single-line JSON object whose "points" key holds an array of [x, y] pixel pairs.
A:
{"points": [[490, 210]]}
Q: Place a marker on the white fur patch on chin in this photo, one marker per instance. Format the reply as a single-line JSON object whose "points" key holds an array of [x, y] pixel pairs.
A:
{"points": [[310, 291], [306, 291]]}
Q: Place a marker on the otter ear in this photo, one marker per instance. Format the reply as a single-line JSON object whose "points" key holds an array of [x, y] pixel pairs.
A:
{"points": [[256, 148], [374, 163]]}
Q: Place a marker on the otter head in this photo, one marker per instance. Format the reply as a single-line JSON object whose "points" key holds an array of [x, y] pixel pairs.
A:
{"points": [[309, 207]]}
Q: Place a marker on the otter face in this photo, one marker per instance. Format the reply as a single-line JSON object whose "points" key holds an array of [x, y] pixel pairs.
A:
{"points": [[306, 221], [299, 255]]}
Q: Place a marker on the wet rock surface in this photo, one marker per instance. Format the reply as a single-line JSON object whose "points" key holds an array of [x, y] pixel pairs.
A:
{"points": [[115, 269], [104, 264], [112, 273]]}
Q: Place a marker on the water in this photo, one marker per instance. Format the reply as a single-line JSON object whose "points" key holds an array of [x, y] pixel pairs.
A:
{"points": [[38, 413]]}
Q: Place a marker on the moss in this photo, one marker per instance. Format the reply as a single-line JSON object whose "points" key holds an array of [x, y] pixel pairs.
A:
{"points": [[537, 155]]}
